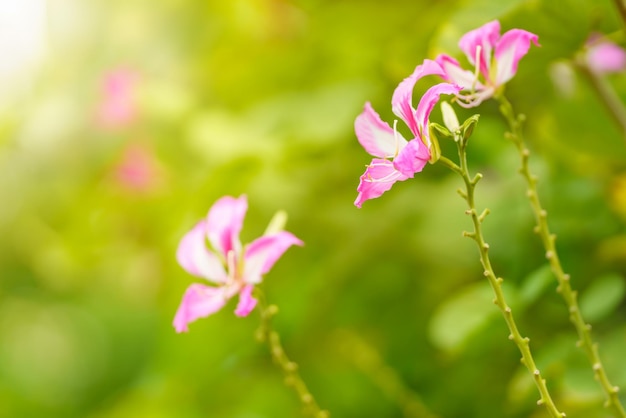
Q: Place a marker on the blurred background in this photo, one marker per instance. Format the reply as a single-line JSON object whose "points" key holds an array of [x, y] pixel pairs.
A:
{"points": [[121, 122]]}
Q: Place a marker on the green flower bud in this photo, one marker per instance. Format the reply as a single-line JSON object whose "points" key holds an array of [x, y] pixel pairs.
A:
{"points": [[449, 117]]}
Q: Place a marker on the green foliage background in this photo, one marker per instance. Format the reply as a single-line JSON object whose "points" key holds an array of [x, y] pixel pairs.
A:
{"points": [[385, 307]]}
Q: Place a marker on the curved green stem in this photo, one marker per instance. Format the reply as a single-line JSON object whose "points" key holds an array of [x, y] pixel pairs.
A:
{"points": [[522, 343], [606, 94], [266, 334], [548, 239]]}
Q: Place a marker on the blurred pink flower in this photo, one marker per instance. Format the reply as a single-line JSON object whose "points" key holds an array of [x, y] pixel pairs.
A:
{"points": [[233, 269], [397, 159], [118, 107], [603, 56], [138, 169], [494, 57]]}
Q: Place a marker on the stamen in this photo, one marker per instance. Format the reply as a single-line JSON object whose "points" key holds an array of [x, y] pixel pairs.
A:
{"points": [[231, 263], [389, 177], [477, 66], [395, 137], [473, 99]]}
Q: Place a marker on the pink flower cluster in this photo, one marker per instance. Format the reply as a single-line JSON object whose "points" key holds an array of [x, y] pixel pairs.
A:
{"points": [[234, 269], [495, 59]]}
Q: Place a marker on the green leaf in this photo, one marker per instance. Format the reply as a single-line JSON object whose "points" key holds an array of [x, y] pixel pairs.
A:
{"points": [[461, 316], [535, 284], [602, 297]]}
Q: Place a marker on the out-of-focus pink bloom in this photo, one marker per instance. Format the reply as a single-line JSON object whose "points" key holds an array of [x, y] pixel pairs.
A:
{"points": [[494, 57], [397, 159], [603, 56], [118, 106], [138, 169], [232, 268]]}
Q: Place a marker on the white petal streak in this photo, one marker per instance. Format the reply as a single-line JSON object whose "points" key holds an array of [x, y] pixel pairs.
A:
{"points": [[378, 139]]}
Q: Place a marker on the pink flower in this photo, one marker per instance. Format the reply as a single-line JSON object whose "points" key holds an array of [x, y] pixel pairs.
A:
{"points": [[138, 170], [233, 269], [397, 159], [494, 58], [118, 107], [603, 56]]}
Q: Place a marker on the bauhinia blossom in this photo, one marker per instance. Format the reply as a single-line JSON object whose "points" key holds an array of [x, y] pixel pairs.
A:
{"points": [[603, 56], [231, 268], [494, 57], [118, 106], [397, 159]]}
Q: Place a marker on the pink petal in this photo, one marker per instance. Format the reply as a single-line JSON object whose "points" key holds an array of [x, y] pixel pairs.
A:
{"points": [[376, 136], [263, 252], [427, 103], [246, 301], [513, 45], [457, 75], [606, 57], [379, 176], [199, 301], [224, 223], [402, 100], [486, 37], [193, 255], [412, 159]]}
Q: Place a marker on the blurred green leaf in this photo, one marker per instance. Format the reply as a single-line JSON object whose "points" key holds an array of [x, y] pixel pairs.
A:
{"points": [[535, 284], [602, 297], [462, 315]]}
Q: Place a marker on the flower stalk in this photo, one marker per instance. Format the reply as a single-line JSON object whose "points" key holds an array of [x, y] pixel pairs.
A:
{"points": [[548, 239], [621, 7], [606, 94], [370, 363], [266, 334], [522, 343]]}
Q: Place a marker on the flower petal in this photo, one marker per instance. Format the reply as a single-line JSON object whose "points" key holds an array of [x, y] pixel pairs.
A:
{"points": [[413, 158], [376, 136], [513, 45], [192, 254], [426, 105], [402, 100], [198, 301], [263, 252], [454, 73], [379, 176], [246, 301], [486, 37], [224, 223]]}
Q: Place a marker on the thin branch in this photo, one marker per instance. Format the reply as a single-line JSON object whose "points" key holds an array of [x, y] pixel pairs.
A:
{"points": [[548, 240], [522, 343]]}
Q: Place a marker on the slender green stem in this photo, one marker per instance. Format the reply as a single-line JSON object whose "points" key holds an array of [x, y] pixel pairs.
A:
{"points": [[369, 361], [621, 7], [289, 368], [548, 239], [606, 94], [522, 343]]}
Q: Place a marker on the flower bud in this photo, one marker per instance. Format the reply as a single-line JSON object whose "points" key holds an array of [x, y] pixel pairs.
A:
{"points": [[468, 126], [449, 117], [435, 151], [277, 224]]}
